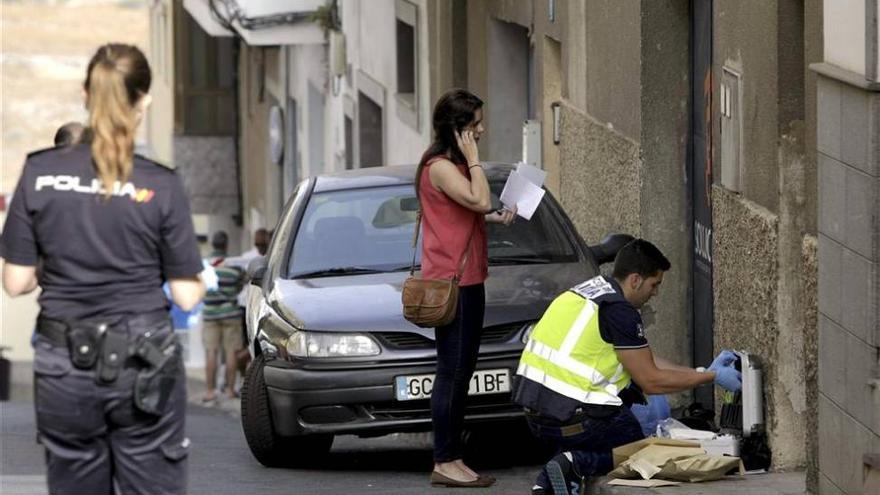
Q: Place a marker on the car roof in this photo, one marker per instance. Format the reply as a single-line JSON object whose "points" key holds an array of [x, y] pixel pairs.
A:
{"points": [[390, 176]]}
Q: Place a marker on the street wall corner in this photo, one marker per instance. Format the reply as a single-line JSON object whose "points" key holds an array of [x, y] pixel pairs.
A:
{"points": [[746, 285]]}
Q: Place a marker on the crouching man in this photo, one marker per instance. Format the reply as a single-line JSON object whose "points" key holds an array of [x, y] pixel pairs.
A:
{"points": [[587, 361]]}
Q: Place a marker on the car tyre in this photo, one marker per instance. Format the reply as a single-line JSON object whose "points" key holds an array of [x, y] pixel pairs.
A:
{"points": [[271, 449]]}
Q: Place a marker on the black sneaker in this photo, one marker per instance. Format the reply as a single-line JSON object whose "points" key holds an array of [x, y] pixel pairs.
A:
{"points": [[563, 479]]}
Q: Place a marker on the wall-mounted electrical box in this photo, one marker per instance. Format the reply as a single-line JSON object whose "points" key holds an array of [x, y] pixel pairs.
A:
{"points": [[731, 129], [531, 148]]}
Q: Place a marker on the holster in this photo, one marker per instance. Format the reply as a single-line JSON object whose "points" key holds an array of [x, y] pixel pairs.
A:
{"points": [[155, 382]]}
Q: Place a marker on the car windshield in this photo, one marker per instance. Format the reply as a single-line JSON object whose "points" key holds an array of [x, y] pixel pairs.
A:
{"points": [[370, 231]]}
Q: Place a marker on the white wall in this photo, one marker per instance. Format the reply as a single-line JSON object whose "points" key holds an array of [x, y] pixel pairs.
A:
{"points": [[876, 54], [160, 115], [307, 66], [370, 32], [844, 28]]}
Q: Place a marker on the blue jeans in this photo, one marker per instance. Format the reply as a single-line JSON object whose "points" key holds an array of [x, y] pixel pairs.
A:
{"points": [[590, 441], [458, 345]]}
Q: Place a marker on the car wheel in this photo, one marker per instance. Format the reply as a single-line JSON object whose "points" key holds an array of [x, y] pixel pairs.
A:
{"points": [[270, 449]]}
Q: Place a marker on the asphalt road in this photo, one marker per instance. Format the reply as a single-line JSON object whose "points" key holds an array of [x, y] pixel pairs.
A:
{"points": [[220, 462]]}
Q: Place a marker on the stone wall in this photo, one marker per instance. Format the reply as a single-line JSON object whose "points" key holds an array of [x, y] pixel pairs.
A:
{"points": [[599, 177], [810, 261], [746, 290]]}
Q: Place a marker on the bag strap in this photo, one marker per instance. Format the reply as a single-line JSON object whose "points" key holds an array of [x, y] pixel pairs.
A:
{"points": [[415, 243]]}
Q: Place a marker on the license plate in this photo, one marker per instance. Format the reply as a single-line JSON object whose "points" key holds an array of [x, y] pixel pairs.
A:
{"points": [[483, 382]]}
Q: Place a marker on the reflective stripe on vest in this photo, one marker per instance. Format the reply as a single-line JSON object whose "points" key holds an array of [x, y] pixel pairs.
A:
{"points": [[574, 361], [571, 391]]}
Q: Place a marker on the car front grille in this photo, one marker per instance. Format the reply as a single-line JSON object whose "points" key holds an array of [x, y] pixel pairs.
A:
{"points": [[405, 340]]}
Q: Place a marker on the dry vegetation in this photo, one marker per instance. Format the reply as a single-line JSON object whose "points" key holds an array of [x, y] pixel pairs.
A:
{"points": [[45, 48]]}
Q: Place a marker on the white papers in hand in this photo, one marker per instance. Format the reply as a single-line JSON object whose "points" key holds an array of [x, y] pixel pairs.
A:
{"points": [[534, 174], [523, 193]]}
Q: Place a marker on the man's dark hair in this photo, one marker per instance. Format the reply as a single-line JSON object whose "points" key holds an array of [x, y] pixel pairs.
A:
{"points": [[69, 134], [220, 240], [639, 256]]}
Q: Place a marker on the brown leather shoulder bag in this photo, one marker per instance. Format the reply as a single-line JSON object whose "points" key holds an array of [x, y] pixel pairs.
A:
{"points": [[430, 303]]}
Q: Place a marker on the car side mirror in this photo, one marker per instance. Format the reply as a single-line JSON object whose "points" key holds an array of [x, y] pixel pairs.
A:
{"points": [[607, 249], [256, 270]]}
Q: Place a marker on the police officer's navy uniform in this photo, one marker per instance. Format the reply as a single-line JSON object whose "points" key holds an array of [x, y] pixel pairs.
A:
{"points": [[109, 380], [575, 391]]}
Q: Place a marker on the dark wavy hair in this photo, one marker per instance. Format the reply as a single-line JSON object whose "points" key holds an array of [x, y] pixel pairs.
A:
{"points": [[453, 112]]}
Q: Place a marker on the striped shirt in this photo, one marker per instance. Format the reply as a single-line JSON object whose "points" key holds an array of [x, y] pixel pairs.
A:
{"points": [[222, 304]]}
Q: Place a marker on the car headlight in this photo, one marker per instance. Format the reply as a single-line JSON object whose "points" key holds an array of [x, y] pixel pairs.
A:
{"points": [[330, 344], [527, 331]]}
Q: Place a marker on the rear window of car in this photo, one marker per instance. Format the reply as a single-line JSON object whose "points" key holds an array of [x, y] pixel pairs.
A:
{"points": [[371, 229]]}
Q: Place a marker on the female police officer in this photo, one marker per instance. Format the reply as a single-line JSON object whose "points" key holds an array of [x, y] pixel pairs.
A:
{"points": [[106, 227]]}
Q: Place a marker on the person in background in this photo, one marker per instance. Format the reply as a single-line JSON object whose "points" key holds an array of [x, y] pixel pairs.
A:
{"points": [[110, 227], [262, 238], [587, 360], [261, 244], [222, 322], [69, 134]]}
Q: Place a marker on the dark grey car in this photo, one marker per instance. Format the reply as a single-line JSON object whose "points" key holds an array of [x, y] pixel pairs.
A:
{"points": [[332, 351]]}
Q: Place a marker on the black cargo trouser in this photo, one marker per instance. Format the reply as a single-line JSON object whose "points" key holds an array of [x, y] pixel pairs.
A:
{"points": [[97, 440]]}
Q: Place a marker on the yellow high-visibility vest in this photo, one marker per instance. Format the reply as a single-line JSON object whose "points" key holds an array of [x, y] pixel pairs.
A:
{"points": [[566, 352]]}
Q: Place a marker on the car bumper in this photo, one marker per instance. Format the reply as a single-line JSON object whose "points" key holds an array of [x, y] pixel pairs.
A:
{"points": [[361, 400]]}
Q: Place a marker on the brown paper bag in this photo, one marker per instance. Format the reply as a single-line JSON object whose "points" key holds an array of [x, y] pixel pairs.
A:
{"points": [[670, 459]]}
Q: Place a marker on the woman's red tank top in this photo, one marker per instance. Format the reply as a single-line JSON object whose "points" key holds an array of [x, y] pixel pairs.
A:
{"points": [[446, 228]]}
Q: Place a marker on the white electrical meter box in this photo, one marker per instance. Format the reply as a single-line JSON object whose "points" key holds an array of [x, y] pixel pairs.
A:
{"points": [[531, 148]]}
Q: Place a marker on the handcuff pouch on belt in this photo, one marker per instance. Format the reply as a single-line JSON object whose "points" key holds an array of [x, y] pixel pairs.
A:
{"points": [[103, 346], [155, 382], [114, 351], [84, 343]]}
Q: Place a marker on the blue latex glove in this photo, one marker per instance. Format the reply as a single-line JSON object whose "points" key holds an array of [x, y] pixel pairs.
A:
{"points": [[725, 358], [728, 378]]}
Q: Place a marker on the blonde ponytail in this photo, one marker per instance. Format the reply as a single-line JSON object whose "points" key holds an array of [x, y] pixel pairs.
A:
{"points": [[114, 85]]}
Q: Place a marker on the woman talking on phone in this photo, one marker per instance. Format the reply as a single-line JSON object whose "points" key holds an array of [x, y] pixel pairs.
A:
{"points": [[107, 228], [455, 201]]}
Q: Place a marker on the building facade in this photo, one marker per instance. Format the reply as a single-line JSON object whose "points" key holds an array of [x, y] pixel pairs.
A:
{"points": [[319, 87], [692, 123], [848, 144]]}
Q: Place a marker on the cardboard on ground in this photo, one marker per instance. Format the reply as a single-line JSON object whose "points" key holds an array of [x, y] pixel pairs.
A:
{"points": [[623, 452], [523, 189], [643, 483], [670, 459]]}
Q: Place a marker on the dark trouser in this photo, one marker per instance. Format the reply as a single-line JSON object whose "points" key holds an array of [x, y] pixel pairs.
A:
{"points": [[590, 440], [96, 440], [458, 345]]}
